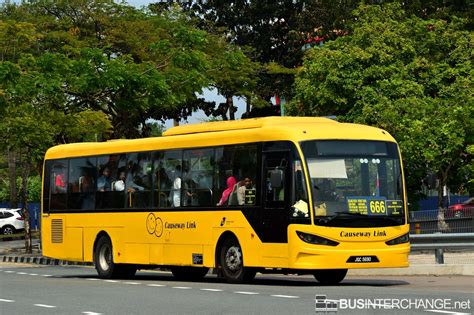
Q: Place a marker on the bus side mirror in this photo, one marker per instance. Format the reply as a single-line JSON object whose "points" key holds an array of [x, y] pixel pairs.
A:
{"points": [[276, 178]]}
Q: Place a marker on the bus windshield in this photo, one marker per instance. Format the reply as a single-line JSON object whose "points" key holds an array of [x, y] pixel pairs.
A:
{"points": [[355, 183]]}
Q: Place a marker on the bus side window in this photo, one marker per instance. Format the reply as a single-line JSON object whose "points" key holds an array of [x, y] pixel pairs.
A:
{"points": [[108, 170], [239, 164], [167, 178], [197, 182], [58, 184], [138, 180], [81, 183]]}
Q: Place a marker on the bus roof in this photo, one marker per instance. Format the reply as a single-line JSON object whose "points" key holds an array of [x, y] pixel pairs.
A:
{"points": [[228, 132], [243, 124]]}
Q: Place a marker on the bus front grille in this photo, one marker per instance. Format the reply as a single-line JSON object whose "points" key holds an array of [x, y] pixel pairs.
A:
{"points": [[57, 231]]}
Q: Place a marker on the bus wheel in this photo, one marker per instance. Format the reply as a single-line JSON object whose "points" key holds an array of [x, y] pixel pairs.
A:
{"points": [[232, 263], [330, 276], [103, 258], [189, 273]]}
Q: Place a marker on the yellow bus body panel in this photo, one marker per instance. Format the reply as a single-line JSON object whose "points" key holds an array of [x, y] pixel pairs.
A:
{"points": [[181, 235]]}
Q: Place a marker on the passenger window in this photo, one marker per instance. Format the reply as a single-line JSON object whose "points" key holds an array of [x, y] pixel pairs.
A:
{"points": [[236, 176], [197, 178], [58, 184], [167, 182], [138, 180], [109, 194], [81, 183]]}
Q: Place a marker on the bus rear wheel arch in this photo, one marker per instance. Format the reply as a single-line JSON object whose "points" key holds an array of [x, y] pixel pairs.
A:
{"points": [[231, 261], [104, 260], [330, 276]]}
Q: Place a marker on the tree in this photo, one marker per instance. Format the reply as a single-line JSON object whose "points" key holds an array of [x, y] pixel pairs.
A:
{"points": [[410, 76], [29, 122], [278, 32]]}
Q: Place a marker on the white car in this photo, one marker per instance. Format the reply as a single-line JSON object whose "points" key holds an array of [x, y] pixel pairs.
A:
{"points": [[11, 221]]}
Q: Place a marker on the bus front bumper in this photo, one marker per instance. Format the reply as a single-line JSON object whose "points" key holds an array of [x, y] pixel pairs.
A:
{"points": [[319, 257]]}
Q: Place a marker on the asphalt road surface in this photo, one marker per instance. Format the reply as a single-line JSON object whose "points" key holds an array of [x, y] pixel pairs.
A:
{"points": [[32, 289]]}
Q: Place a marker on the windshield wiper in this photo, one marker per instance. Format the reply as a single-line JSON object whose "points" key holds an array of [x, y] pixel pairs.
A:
{"points": [[341, 215]]}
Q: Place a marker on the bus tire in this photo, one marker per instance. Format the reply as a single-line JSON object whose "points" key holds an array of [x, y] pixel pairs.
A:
{"points": [[232, 262], [189, 273], [330, 276], [103, 258]]}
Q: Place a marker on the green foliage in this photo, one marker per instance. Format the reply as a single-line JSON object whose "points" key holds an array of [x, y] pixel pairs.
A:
{"points": [[130, 64], [155, 129], [410, 76], [34, 188]]}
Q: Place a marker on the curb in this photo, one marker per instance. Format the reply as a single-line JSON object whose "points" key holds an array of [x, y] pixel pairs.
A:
{"points": [[418, 270], [413, 270], [42, 261]]}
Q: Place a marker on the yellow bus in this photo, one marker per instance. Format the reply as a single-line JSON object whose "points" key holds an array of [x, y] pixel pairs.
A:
{"points": [[275, 194]]}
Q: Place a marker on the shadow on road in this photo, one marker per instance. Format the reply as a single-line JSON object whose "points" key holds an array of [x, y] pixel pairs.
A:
{"points": [[266, 280]]}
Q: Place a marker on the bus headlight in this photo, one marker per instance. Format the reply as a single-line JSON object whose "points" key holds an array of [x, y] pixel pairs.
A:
{"points": [[405, 238], [314, 239]]}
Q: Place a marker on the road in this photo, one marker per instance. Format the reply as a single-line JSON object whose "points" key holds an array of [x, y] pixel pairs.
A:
{"points": [[32, 289]]}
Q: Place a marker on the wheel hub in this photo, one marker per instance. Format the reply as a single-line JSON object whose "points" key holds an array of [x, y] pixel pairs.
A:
{"points": [[105, 256], [233, 258], [8, 231]]}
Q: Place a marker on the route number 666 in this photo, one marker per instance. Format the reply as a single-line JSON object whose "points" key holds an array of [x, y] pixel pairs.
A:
{"points": [[377, 206]]}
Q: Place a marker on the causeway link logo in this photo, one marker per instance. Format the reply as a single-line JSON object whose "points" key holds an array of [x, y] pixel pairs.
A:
{"points": [[154, 225]]}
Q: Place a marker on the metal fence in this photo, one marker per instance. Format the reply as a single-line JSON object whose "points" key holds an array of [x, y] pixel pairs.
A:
{"points": [[439, 242], [427, 222]]}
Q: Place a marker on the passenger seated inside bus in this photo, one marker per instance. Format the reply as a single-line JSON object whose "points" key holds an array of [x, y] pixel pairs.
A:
{"points": [[104, 183], [238, 193], [190, 197], [176, 188], [231, 182], [119, 185], [130, 184], [60, 183]]}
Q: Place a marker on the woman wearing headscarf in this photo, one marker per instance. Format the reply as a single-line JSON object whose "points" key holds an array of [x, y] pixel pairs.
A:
{"points": [[231, 181]]}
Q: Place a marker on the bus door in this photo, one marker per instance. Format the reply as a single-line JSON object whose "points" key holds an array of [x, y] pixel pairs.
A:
{"points": [[276, 194]]}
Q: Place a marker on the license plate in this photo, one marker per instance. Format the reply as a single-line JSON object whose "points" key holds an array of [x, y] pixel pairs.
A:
{"points": [[362, 259]]}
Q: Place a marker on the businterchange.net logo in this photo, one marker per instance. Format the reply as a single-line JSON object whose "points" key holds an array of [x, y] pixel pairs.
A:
{"points": [[323, 304]]}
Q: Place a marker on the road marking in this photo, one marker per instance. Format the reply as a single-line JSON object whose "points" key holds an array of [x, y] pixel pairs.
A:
{"points": [[33, 274], [46, 275], [91, 313], [92, 279], [245, 292], [111, 281], [156, 285], [21, 273], [212, 290], [8, 301], [286, 296], [182, 288], [132, 283], [447, 312], [45, 305], [9, 271]]}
